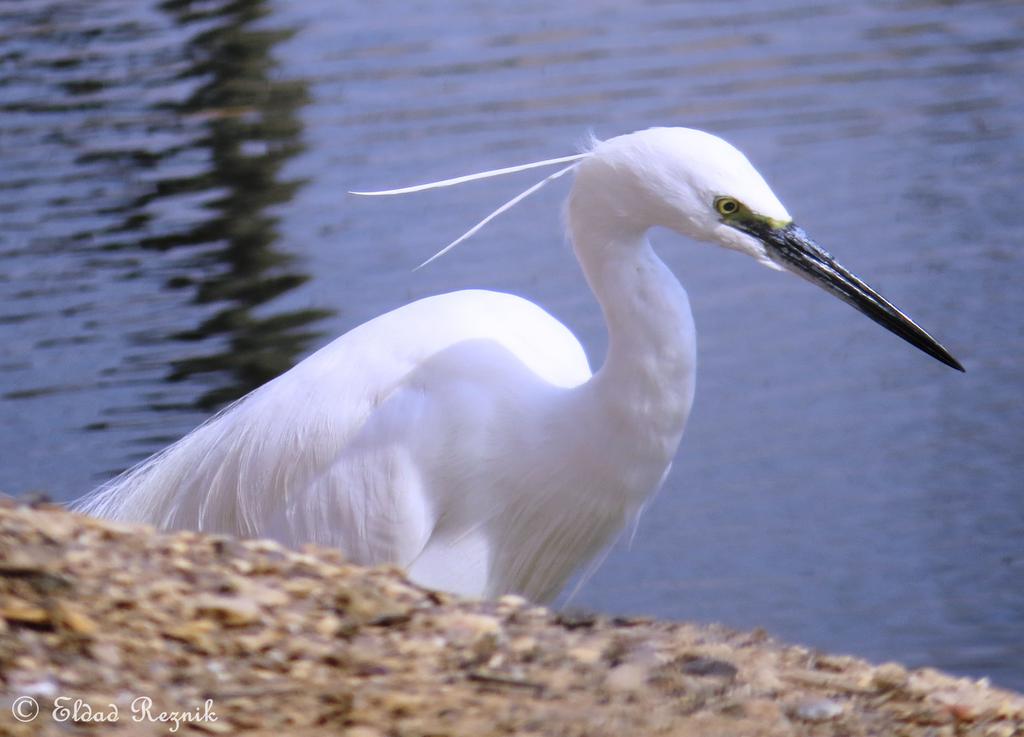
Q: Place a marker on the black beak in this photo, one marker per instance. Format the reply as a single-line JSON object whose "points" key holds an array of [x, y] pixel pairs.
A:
{"points": [[790, 247]]}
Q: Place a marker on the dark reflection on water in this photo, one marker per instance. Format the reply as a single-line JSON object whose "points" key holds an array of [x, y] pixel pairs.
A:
{"points": [[170, 126], [833, 485], [251, 130]]}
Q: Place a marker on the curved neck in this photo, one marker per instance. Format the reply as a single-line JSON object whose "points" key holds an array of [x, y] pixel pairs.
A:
{"points": [[644, 389]]}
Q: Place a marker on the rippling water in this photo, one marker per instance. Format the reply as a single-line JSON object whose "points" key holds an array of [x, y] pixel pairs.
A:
{"points": [[174, 231]]}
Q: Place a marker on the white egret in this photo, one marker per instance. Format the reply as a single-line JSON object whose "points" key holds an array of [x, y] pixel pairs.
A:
{"points": [[463, 436]]}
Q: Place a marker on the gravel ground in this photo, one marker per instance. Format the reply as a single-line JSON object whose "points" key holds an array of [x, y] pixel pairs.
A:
{"points": [[116, 630]]}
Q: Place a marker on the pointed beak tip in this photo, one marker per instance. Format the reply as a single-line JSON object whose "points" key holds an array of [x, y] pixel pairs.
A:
{"points": [[790, 247], [940, 353]]}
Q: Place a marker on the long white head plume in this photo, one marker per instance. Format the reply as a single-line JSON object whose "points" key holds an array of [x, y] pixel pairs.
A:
{"points": [[574, 158]]}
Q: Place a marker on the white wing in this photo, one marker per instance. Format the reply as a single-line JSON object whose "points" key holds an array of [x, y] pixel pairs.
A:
{"points": [[313, 456]]}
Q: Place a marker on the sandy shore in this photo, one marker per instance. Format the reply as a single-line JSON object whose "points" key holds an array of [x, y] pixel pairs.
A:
{"points": [[115, 630]]}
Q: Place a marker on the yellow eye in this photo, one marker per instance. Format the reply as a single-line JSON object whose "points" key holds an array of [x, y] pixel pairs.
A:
{"points": [[727, 206]]}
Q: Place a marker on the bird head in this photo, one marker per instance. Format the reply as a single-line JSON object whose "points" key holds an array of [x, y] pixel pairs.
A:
{"points": [[683, 179], [703, 187]]}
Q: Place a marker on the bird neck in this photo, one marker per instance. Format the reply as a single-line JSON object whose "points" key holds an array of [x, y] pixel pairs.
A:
{"points": [[644, 389]]}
